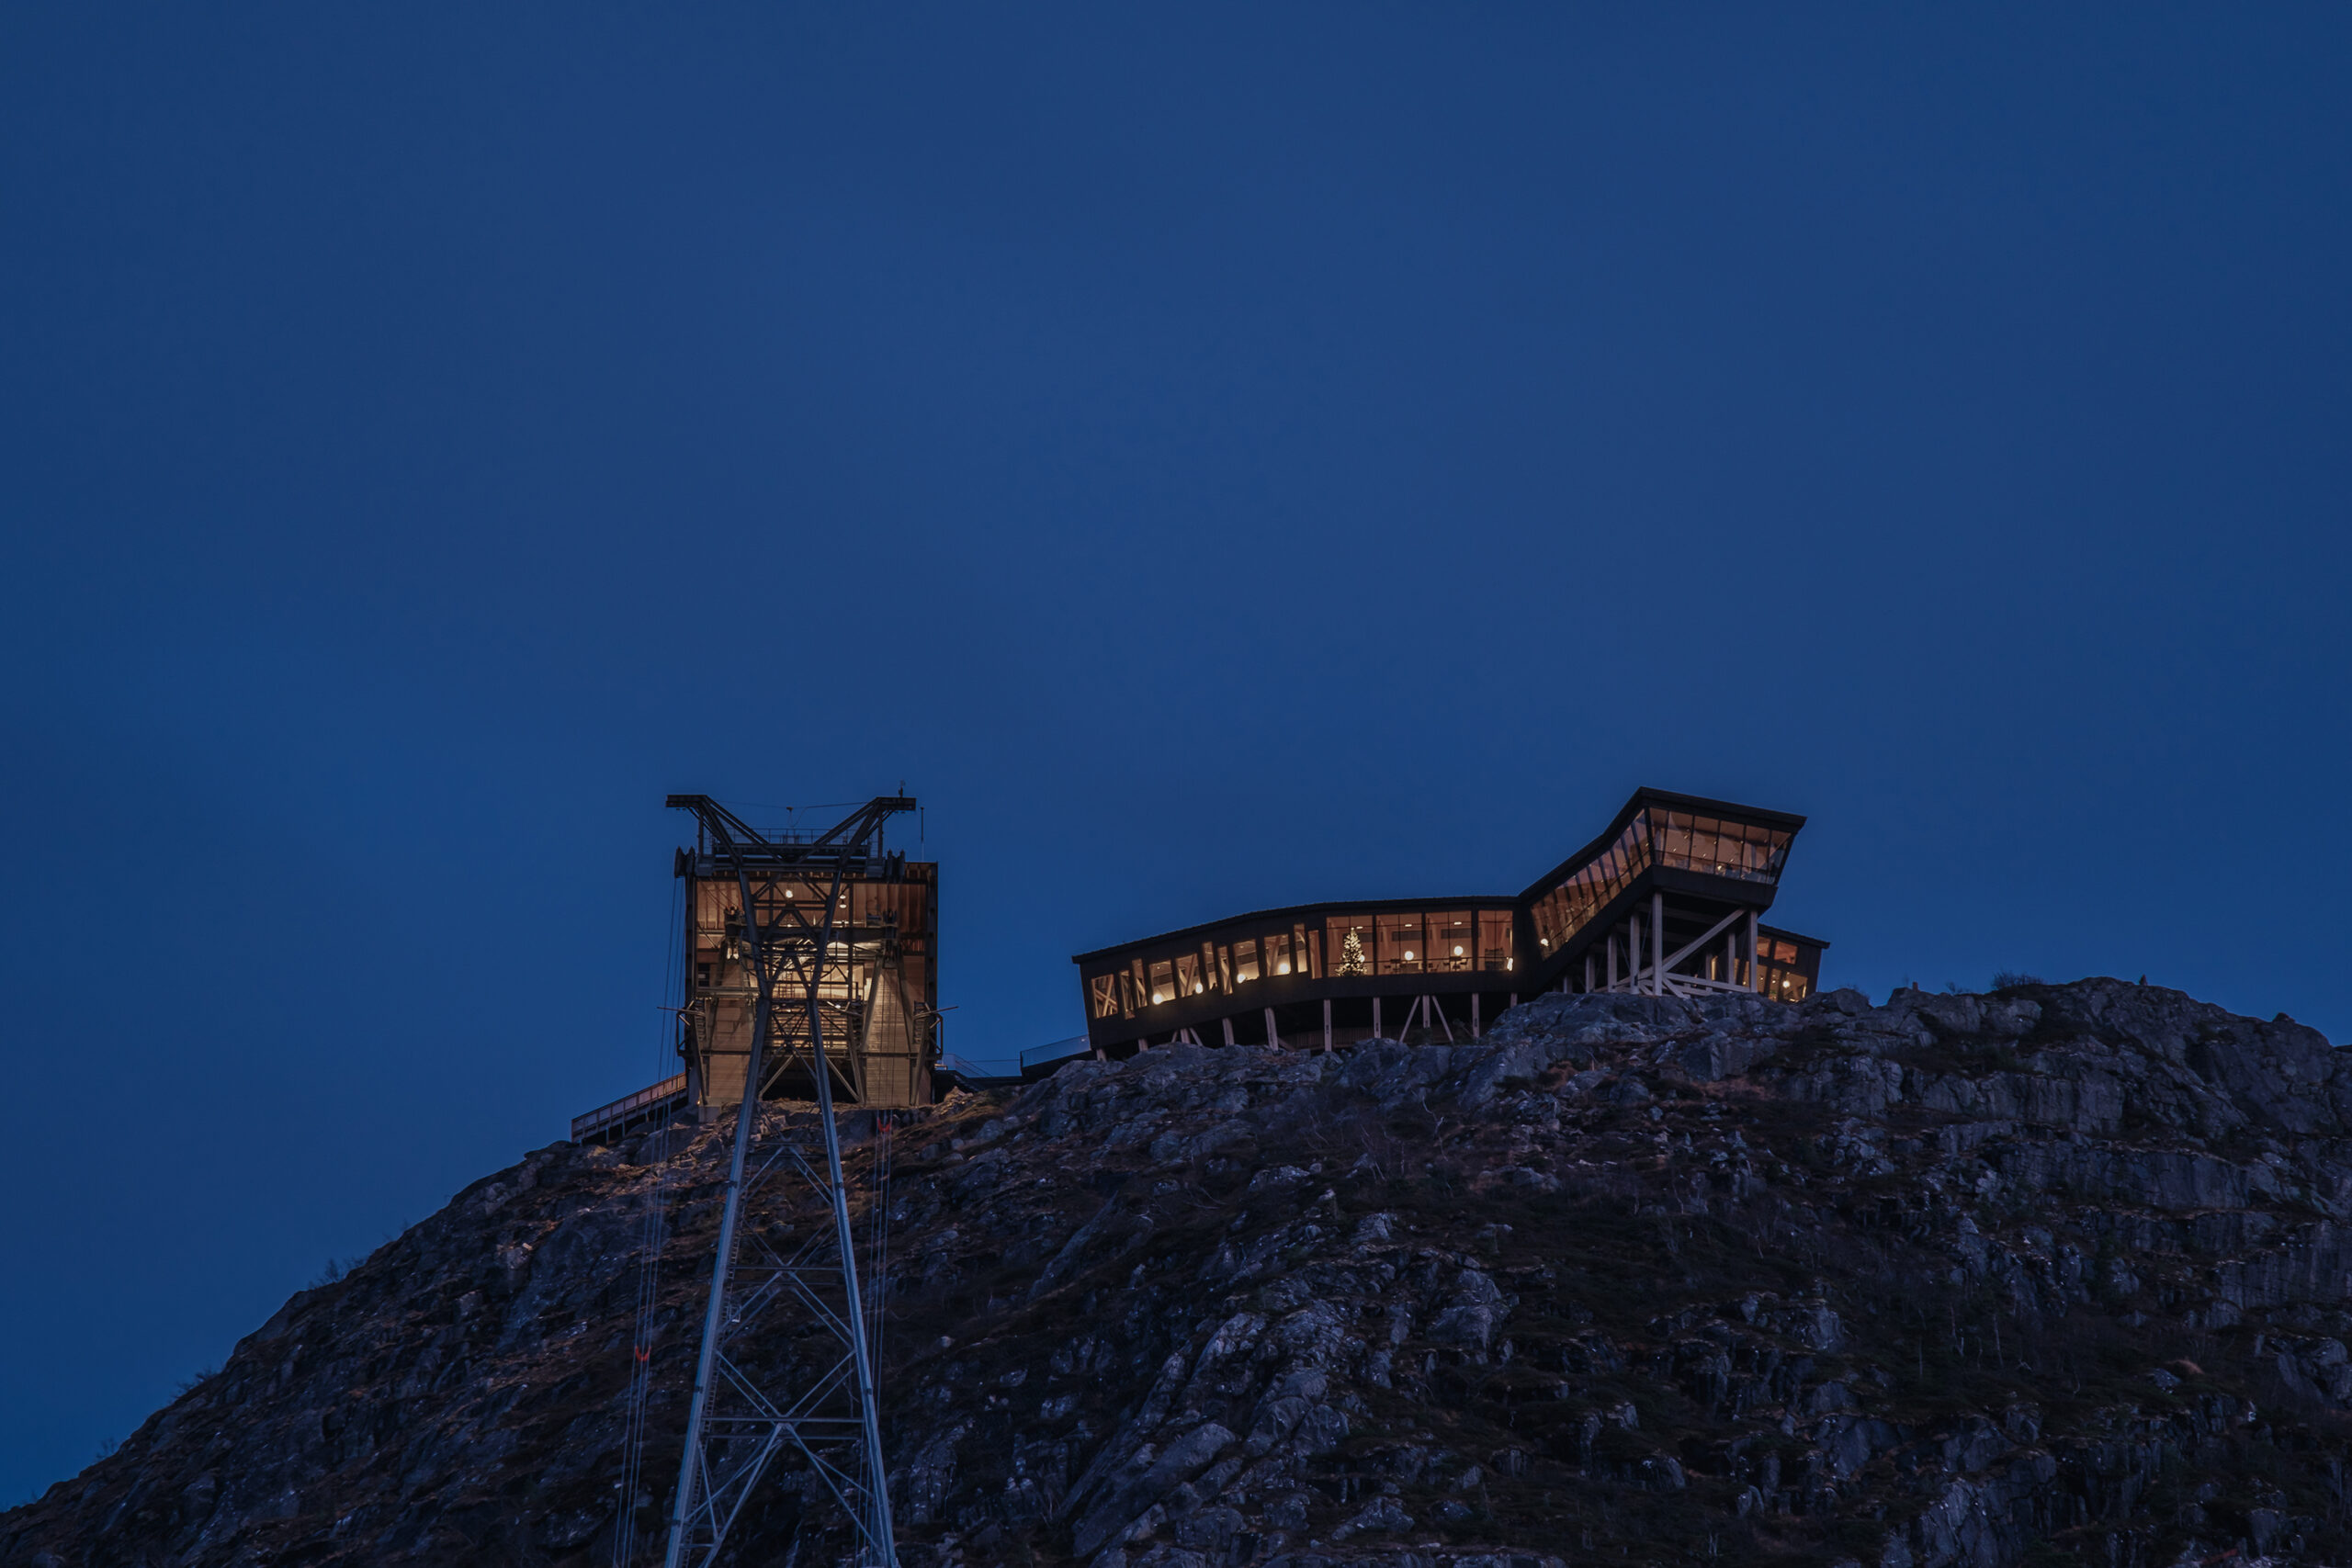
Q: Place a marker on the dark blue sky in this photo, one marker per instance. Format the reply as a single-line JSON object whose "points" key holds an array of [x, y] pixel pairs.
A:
{"points": [[1216, 458]]}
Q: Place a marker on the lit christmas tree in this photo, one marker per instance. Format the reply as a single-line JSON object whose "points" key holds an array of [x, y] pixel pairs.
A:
{"points": [[1351, 955]]}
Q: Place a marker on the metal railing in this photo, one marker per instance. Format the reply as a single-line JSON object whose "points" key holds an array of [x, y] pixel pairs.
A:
{"points": [[1076, 1045], [622, 1109]]}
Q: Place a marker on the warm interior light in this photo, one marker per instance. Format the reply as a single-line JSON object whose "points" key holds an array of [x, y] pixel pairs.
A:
{"points": [[1457, 950], [1508, 961], [1409, 955], [1544, 940], [1198, 988], [1157, 998], [1283, 970]]}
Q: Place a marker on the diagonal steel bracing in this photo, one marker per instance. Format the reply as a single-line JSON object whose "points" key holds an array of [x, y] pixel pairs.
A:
{"points": [[747, 1410]]}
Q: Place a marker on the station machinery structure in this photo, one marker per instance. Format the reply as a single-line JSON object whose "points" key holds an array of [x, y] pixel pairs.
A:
{"points": [[808, 979], [878, 980]]}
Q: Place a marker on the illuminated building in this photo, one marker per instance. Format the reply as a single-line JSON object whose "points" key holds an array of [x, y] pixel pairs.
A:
{"points": [[1666, 903], [844, 934]]}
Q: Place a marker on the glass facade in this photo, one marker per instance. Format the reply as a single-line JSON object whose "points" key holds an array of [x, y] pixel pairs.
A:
{"points": [[1412, 942], [1188, 975], [1402, 948], [1494, 941], [1348, 939], [1677, 839], [1780, 965], [1721, 848], [1453, 940], [1562, 912]]}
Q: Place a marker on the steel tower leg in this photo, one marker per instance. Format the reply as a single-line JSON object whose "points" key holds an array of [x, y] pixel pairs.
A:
{"points": [[879, 1536], [746, 1122]]}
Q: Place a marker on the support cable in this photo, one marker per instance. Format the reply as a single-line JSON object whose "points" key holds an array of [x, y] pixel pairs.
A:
{"points": [[653, 1237]]}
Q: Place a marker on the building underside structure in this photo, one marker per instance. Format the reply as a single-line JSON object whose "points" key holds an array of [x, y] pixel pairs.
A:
{"points": [[1666, 901]]}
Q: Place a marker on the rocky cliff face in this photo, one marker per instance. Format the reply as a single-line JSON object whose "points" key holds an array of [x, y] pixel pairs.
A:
{"points": [[2063, 1272]]}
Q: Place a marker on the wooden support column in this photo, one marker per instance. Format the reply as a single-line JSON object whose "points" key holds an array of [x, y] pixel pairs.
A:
{"points": [[1272, 1039], [1658, 944], [1755, 975], [1588, 969], [1473, 1015], [1377, 1034], [1228, 1029], [1611, 940], [1327, 1023]]}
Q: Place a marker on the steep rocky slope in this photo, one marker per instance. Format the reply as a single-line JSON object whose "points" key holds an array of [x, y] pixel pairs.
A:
{"points": [[2059, 1272]]}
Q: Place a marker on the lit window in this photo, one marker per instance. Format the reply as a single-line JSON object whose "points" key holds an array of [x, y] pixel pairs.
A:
{"points": [[1245, 960], [1278, 953], [1349, 943], [1401, 943], [1106, 989], [1188, 975], [1674, 840], [1494, 939], [1163, 981]]}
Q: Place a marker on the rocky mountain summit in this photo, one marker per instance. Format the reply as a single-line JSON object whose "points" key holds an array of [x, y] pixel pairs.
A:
{"points": [[2062, 1272]]}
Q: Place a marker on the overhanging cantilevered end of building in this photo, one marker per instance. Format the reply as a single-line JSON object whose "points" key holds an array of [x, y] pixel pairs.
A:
{"points": [[1662, 890], [1665, 901]]}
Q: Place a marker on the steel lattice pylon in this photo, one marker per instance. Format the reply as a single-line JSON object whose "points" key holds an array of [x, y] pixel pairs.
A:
{"points": [[824, 1408]]}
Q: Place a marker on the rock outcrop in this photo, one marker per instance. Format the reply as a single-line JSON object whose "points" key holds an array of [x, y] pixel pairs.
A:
{"points": [[2061, 1272]]}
